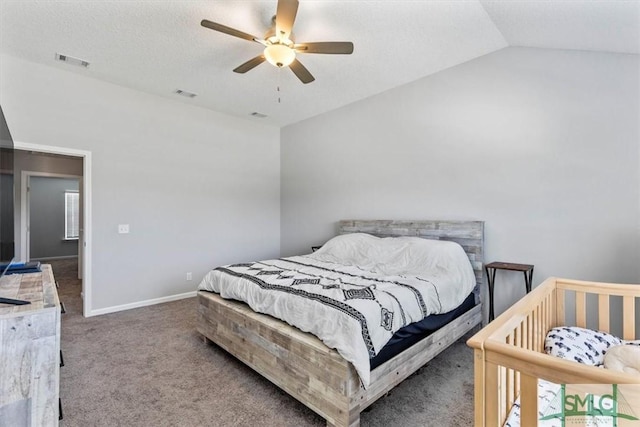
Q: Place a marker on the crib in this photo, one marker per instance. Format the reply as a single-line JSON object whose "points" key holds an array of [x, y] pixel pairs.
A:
{"points": [[509, 353]]}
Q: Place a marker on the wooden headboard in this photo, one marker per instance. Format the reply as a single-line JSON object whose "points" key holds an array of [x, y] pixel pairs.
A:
{"points": [[469, 234]]}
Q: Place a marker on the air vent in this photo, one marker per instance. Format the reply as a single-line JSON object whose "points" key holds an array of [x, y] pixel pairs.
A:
{"points": [[259, 115], [185, 93], [72, 61]]}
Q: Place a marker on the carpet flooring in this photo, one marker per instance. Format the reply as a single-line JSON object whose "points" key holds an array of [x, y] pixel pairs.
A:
{"points": [[149, 367]]}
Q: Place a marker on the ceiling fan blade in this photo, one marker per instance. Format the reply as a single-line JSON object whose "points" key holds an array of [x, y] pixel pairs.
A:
{"points": [[228, 30], [250, 64], [285, 16], [301, 72], [345, 48]]}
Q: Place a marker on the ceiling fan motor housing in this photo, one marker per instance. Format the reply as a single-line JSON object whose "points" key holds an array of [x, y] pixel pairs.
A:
{"points": [[279, 51]]}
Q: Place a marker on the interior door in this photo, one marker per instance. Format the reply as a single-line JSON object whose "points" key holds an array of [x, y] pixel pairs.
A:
{"points": [[27, 242]]}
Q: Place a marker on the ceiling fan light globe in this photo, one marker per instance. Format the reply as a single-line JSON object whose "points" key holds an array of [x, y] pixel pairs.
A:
{"points": [[279, 55]]}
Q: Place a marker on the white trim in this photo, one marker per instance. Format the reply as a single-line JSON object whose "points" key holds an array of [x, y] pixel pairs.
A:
{"points": [[144, 303], [86, 206]]}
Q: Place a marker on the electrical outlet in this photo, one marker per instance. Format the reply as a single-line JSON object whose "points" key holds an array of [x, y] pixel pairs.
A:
{"points": [[123, 228], [189, 276]]}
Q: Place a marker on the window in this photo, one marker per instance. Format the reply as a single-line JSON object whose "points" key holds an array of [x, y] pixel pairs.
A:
{"points": [[71, 215]]}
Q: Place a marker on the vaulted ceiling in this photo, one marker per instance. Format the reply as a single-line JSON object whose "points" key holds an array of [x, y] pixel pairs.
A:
{"points": [[159, 46]]}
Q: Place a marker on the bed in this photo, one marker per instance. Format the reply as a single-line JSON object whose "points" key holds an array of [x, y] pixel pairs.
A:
{"points": [[318, 376], [509, 356]]}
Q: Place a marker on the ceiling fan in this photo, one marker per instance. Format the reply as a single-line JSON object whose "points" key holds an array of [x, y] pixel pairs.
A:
{"points": [[280, 48]]}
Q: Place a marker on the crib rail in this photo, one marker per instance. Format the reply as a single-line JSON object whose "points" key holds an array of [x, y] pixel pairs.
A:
{"points": [[605, 293], [509, 353]]}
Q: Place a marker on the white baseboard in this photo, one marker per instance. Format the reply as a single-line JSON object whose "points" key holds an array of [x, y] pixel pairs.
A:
{"points": [[138, 304]]}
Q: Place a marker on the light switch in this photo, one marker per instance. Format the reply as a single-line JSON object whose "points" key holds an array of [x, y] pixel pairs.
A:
{"points": [[123, 228]]}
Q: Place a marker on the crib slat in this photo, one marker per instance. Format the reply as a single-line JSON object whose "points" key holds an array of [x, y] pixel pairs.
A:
{"points": [[525, 333], [503, 402], [547, 316], [534, 326], [629, 316], [508, 379], [603, 312], [509, 399], [507, 384], [581, 309], [542, 314], [541, 329], [518, 343], [528, 400], [479, 391], [491, 394], [560, 315], [537, 329]]}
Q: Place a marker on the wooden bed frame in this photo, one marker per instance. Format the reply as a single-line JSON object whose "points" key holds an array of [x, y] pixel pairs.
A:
{"points": [[509, 353], [307, 369]]}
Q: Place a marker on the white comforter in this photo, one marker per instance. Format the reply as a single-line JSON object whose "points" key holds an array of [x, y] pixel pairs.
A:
{"points": [[355, 292]]}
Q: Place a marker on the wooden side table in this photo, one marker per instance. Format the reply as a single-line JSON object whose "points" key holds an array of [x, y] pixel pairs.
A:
{"points": [[491, 268]]}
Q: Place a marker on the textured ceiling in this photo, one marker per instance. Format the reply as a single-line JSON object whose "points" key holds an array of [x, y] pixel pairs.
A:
{"points": [[159, 46]]}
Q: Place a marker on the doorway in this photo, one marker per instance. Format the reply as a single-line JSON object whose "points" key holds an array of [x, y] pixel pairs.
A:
{"points": [[84, 191], [52, 216]]}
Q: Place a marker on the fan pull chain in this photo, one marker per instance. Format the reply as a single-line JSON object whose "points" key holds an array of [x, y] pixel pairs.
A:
{"points": [[278, 86]]}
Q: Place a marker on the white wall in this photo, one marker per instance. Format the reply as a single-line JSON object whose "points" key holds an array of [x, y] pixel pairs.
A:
{"points": [[541, 144], [199, 189]]}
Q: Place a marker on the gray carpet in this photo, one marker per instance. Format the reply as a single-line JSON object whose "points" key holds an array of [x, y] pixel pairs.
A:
{"points": [[149, 367]]}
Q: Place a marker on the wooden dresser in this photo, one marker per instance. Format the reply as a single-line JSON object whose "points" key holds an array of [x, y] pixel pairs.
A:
{"points": [[30, 350]]}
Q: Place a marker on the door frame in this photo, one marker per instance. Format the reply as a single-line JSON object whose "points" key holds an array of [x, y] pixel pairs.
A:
{"points": [[25, 208], [86, 253]]}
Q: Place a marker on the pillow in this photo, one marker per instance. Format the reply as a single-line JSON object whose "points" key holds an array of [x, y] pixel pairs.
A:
{"points": [[579, 344], [424, 263], [623, 358], [397, 256]]}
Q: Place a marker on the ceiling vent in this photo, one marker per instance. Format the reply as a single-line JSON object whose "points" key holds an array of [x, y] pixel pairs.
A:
{"points": [[259, 115], [185, 93], [72, 61]]}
